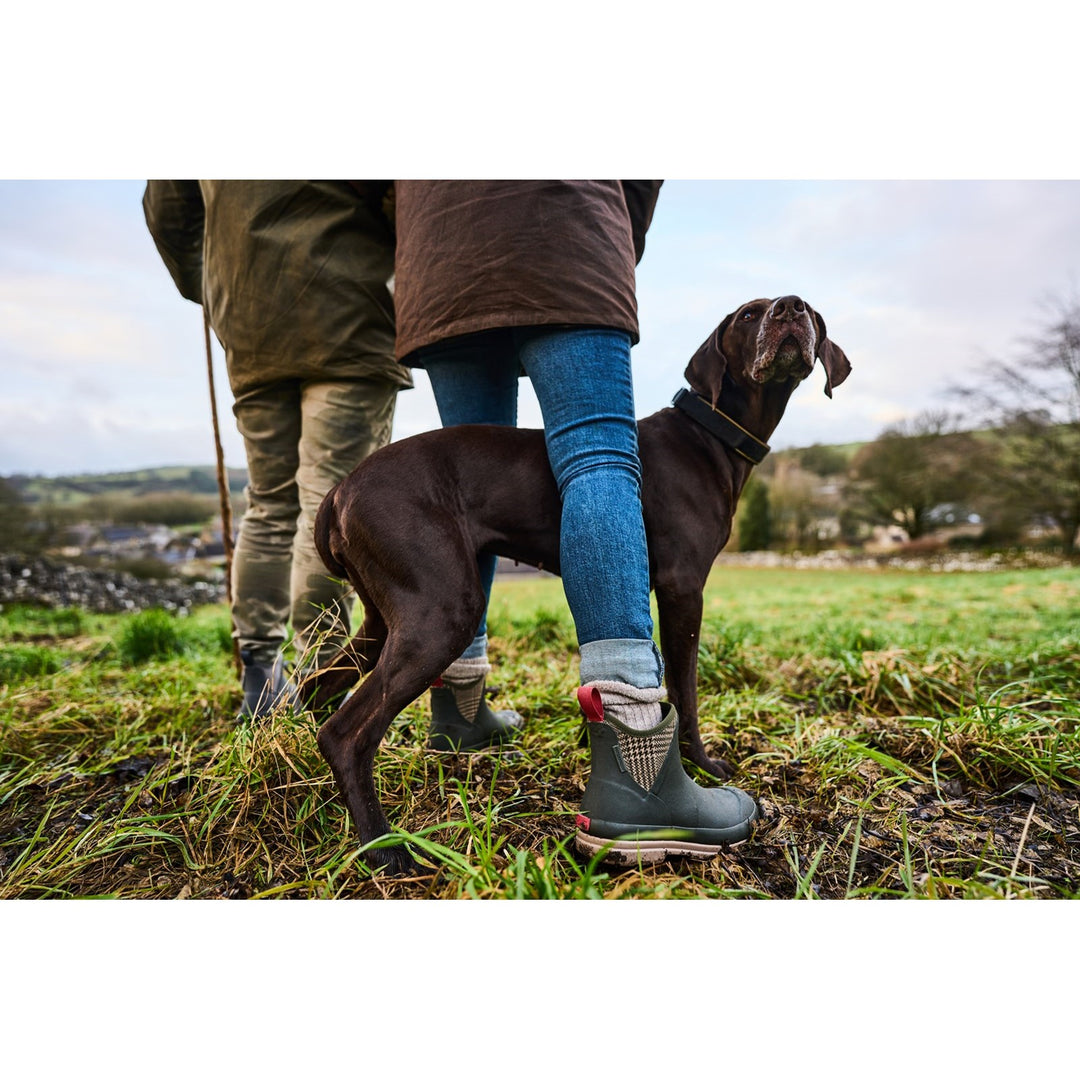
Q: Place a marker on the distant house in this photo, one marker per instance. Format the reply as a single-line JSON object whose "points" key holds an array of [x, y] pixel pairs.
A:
{"points": [[128, 541], [886, 538], [180, 549], [123, 535]]}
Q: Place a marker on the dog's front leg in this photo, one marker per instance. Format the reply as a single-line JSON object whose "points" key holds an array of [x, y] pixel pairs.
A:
{"points": [[680, 607]]}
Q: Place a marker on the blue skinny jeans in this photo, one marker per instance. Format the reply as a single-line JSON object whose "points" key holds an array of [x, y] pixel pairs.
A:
{"points": [[583, 383]]}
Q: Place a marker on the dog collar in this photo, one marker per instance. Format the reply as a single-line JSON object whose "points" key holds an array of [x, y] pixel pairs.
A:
{"points": [[722, 426]]}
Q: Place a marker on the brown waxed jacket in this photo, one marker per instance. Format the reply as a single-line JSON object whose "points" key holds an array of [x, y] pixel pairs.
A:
{"points": [[293, 274], [482, 254]]}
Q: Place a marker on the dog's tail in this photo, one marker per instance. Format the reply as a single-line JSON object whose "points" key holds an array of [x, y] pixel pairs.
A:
{"points": [[333, 681], [325, 520]]}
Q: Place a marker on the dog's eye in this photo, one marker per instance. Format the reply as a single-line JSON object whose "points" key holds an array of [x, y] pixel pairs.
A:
{"points": [[749, 315]]}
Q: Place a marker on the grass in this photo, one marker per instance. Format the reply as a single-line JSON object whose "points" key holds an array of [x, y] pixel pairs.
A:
{"points": [[907, 735]]}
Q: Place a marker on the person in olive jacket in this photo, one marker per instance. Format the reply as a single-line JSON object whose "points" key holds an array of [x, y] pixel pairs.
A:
{"points": [[294, 277], [495, 279]]}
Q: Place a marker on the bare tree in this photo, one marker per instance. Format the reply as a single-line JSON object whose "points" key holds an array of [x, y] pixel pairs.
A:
{"points": [[1033, 403], [911, 468], [801, 505]]}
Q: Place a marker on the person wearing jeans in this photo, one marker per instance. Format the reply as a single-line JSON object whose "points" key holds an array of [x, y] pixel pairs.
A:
{"points": [[495, 279], [583, 383]]}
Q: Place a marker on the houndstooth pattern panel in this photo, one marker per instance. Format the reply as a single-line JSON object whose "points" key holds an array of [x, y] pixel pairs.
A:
{"points": [[645, 754], [467, 697]]}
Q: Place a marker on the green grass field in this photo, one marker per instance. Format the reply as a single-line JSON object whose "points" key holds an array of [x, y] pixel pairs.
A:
{"points": [[907, 735]]}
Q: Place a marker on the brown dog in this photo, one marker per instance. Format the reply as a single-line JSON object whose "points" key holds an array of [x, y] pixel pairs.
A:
{"points": [[406, 527]]}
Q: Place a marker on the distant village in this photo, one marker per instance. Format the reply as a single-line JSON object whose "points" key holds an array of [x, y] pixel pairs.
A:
{"points": [[170, 546]]}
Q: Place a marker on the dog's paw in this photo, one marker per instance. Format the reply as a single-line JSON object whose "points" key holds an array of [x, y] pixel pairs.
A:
{"points": [[395, 861], [717, 767]]}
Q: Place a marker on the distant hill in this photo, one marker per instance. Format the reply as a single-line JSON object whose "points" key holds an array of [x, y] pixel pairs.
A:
{"points": [[168, 480], [194, 480], [70, 491]]}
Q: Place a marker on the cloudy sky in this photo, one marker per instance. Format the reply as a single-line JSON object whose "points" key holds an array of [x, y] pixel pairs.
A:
{"points": [[103, 362], [919, 280]]}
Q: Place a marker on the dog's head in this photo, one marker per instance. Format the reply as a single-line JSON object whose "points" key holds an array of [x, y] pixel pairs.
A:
{"points": [[767, 341]]}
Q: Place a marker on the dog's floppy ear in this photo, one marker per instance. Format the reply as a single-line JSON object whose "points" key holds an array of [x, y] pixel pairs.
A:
{"points": [[832, 357], [705, 372]]}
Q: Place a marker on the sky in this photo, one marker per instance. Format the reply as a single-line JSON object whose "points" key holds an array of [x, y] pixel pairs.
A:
{"points": [[919, 281]]}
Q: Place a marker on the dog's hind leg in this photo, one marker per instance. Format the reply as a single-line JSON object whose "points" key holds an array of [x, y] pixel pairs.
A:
{"points": [[412, 655], [348, 741]]}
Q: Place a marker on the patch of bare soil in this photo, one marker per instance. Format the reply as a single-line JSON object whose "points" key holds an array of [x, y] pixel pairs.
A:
{"points": [[945, 841]]}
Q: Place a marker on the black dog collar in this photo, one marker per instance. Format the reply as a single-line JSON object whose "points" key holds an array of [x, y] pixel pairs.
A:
{"points": [[723, 427]]}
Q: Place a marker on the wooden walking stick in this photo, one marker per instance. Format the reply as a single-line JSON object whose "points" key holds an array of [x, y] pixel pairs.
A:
{"points": [[223, 490]]}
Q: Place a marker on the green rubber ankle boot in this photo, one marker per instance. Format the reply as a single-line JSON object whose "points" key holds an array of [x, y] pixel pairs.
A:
{"points": [[462, 721], [640, 805]]}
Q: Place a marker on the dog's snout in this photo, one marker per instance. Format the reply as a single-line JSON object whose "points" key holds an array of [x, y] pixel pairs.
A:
{"points": [[788, 307]]}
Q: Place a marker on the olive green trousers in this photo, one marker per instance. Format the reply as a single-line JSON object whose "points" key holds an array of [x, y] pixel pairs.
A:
{"points": [[301, 438]]}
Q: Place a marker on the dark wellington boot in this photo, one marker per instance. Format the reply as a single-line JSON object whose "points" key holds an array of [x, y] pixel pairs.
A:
{"points": [[462, 721], [640, 801], [264, 686]]}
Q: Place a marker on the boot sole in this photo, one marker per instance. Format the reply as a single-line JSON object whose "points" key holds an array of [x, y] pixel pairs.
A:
{"points": [[629, 850], [632, 852]]}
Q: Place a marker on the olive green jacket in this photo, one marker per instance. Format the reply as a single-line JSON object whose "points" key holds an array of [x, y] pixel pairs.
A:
{"points": [[293, 274]]}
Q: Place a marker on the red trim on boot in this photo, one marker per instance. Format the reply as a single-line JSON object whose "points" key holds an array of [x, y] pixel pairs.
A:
{"points": [[582, 822], [437, 684], [591, 703]]}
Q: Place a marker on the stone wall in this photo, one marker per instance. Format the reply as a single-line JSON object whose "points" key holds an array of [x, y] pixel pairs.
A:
{"points": [[27, 580]]}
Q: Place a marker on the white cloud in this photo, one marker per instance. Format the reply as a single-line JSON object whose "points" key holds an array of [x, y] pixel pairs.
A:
{"points": [[66, 322], [62, 437]]}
